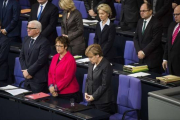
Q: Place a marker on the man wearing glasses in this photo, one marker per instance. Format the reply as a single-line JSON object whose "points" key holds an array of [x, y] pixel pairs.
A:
{"points": [[34, 58], [172, 50], [147, 39]]}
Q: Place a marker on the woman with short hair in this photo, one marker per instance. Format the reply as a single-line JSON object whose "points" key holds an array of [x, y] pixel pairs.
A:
{"points": [[98, 91]]}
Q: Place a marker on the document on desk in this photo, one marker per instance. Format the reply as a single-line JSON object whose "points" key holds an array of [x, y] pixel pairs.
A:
{"points": [[8, 87], [139, 74], [37, 95], [17, 91], [89, 21], [84, 60]]}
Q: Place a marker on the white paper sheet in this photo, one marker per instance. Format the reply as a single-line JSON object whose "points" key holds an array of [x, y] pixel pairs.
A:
{"points": [[8, 87], [17, 91], [82, 60], [89, 21], [139, 74]]}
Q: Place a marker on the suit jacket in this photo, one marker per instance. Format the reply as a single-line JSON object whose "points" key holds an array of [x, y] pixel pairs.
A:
{"points": [[176, 1], [130, 10], [98, 82], [48, 19], [73, 27], [96, 3], [63, 74], [35, 59], [150, 42], [10, 18], [163, 11], [4, 51], [105, 39], [172, 52]]}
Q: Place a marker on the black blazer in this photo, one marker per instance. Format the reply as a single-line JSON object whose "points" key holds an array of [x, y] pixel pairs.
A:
{"points": [[164, 11], [98, 82], [48, 19], [172, 52], [4, 51], [130, 10], [73, 27], [35, 59], [10, 18], [150, 42], [105, 39]]}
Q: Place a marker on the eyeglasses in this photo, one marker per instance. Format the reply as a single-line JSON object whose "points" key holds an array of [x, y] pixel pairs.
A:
{"points": [[143, 11], [176, 14], [29, 28], [59, 46]]}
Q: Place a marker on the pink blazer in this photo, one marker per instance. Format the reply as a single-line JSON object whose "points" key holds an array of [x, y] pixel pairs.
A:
{"points": [[62, 74]]}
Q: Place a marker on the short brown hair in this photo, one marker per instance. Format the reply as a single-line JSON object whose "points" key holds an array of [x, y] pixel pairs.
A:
{"points": [[63, 40], [106, 8], [94, 49]]}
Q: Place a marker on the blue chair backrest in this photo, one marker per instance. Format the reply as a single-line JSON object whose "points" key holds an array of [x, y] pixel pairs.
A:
{"points": [[130, 55], [56, 3], [18, 73], [24, 4], [81, 7], [118, 12], [58, 30], [129, 95], [91, 38], [23, 30], [83, 89]]}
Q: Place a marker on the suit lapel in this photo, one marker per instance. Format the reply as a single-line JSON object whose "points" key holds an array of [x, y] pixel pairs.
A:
{"points": [[148, 27], [34, 45], [5, 9], [105, 28], [140, 30]]}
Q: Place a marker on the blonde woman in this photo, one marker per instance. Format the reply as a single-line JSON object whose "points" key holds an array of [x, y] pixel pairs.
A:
{"points": [[72, 27], [105, 31]]}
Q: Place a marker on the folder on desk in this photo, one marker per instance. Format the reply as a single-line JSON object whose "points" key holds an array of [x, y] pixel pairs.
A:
{"points": [[37, 95], [23, 11], [135, 68], [168, 79]]}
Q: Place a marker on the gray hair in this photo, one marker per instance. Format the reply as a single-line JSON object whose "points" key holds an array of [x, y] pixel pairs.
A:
{"points": [[37, 24]]}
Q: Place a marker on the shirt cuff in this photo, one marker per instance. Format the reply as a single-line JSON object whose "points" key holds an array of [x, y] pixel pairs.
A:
{"points": [[164, 60], [51, 85], [143, 52]]}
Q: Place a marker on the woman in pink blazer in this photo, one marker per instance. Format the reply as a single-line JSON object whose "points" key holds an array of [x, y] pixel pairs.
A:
{"points": [[62, 81]]}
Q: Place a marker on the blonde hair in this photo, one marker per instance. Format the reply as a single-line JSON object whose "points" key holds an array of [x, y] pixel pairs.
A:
{"points": [[67, 5], [106, 8], [94, 49]]}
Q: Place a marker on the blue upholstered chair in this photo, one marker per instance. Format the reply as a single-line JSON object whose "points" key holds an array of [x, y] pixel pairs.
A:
{"points": [[56, 3], [23, 30], [18, 73], [130, 55], [128, 99], [24, 4], [91, 38], [84, 102], [118, 13], [81, 7], [58, 30]]}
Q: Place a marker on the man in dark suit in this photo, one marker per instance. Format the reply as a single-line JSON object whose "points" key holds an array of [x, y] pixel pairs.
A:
{"points": [[162, 9], [147, 39], [34, 58], [172, 52], [4, 51], [129, 13], [46, 13], [9, 16]]}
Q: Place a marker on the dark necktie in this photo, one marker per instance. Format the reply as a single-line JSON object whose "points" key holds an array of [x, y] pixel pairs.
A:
{"points": [[4, 7], [144, 27], [31, 43]]}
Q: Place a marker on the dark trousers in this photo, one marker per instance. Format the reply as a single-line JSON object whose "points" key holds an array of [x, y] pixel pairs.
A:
{"points": [[36, 87], [106, 107], [3, 83], [156, 70]]}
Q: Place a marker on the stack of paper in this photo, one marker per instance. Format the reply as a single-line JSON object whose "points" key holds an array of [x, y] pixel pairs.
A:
{"points": [[84, 60], [135, 68], [13, 90], [168, 78], [139, 74], [89, 22], [77, 56]]}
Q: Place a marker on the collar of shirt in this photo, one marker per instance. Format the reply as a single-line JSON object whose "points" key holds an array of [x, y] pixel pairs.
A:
{"points": [[175, 28], [107, 23], [147, 21], [39, 9], [35, 38], [6, 2]]}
